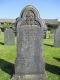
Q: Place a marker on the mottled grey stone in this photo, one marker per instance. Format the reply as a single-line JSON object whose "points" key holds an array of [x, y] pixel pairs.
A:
{"points": [[29, 61], [0, 31], [57, 37], [29, 49], [9, 37]]}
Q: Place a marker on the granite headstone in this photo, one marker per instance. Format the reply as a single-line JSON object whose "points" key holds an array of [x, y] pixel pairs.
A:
{"points": [[29, 61], [9, 37], [57, 37], [0, 31]]}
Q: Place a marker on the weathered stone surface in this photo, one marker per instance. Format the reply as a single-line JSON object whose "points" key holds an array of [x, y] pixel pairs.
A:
{"points": [[29, 60], [57, 37], [9, 37], [0, 31], [29, 55]]}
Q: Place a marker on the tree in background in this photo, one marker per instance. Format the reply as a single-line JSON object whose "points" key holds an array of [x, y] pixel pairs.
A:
{"points": [[7, 25]]}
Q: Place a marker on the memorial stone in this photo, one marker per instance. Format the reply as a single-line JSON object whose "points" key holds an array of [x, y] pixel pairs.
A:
{"points": [[29, 61], [57, 37], [0, 31], [9, 37]]}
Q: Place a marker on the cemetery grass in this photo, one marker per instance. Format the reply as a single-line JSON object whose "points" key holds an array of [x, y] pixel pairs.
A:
{"points": [[8, 56]]}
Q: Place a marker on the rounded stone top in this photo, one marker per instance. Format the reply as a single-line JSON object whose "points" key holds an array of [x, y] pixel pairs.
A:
{"points": [[30, 10]]}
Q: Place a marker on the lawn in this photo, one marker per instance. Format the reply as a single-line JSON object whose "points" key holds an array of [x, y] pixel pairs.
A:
{"points": [[8, 56]]}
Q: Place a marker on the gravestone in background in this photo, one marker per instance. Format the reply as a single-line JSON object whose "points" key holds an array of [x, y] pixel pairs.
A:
{"points": [[52, 32], [0, 34], [57, 37], [51, 36], [45, 28], [29, 61], [0, 31], [9, 37]]}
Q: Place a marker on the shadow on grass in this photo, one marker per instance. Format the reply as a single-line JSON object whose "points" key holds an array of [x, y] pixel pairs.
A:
{"points": [[7, 67], [53, 69], [58, 59], [1, 43], [49, 45]]}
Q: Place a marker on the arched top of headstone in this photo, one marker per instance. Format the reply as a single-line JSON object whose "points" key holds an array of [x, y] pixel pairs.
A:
{"points": [[29, 16], [30, 11]]}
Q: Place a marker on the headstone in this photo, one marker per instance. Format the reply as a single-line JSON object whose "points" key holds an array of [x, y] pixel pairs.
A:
{"points": [[52, 32], [51, 36], [45, 28], [0, 31], [9, 37], [29, 62], [47, 34], [57, 37]]}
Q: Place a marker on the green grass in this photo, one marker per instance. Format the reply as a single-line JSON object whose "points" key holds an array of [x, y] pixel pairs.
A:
{"points": [[7, 59], [8, 56], [52, 60]]}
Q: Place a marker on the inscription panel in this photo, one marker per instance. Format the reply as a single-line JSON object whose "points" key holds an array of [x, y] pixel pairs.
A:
{"points": [[29, 50]]}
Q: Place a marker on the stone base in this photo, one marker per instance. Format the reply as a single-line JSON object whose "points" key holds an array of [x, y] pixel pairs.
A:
{"points": [[30, 77]]}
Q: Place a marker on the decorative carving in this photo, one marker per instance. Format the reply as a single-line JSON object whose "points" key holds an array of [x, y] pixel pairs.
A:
{"points": [[30, 19], [30, 16]]}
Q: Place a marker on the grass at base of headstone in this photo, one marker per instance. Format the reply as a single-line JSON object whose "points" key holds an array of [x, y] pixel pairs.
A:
{"points": [[7, 60], [52, 59], [8, 56]]}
